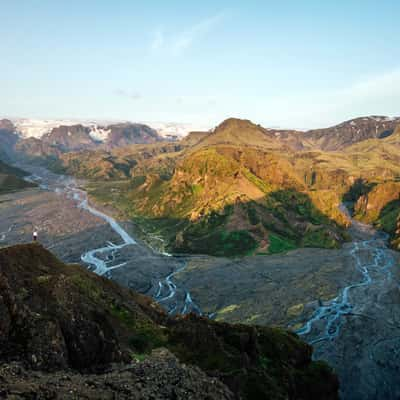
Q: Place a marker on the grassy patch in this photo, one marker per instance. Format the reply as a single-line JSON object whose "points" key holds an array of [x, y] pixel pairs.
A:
{"points": [[144, 336], [88, 287], [220, 243], [279, 244], [262, 185], [319, 238], [388, 217]]}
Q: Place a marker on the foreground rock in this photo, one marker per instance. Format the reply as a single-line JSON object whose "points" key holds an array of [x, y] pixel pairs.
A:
{"points": [[160, 376], [60, 324]]}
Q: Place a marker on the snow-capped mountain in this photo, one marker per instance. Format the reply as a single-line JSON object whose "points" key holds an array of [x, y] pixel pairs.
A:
{"points": [[37, 128], [176, 130], [100, 130]]}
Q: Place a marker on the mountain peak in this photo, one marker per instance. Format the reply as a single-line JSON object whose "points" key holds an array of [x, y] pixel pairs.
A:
{"points": [[240, 132]]}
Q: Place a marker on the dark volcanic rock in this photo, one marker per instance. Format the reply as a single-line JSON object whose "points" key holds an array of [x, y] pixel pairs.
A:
{"points": [[33, 147], [159, 376], [353, 131], [125, 134], [70, 138], [6, 125]]}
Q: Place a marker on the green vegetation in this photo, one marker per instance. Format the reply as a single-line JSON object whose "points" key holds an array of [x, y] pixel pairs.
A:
{"points": [[90, 322], [262, 185], [252, 214], [219, 243], [87, 287], [388, 217], [360, 187], [144, 335], [319, 238], [297, 202], [278, 244]]}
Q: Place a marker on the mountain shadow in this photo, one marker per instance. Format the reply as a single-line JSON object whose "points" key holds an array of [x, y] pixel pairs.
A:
{"points": [[279, 221], [359, 188]]}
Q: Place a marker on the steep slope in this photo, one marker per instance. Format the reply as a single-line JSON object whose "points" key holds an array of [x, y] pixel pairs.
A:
{"points": [[121, 162], [240, 132], [126, 134], [7, 125], [380, 205], [8, 139], [353, 131], [242, 189], [33, 148], [74, 138], [193, 138], [70, 138], [56, 317], [11, 178], [396, 234], [233, 201]]}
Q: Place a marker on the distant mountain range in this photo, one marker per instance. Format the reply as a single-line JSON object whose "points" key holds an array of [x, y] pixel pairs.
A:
{"points": [[87, 134], [245, 189], [239, 187], [99, 129]]}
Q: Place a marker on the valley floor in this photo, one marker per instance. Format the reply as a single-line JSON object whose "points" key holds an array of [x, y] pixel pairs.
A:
{"points": [[283, 290]]}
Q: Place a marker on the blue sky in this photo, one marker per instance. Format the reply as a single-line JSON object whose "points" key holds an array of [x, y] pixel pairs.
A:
{"points": [[298, 64]]}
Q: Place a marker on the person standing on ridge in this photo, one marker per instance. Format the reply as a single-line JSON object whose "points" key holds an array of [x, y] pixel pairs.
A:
{"points": [[35, 234]]}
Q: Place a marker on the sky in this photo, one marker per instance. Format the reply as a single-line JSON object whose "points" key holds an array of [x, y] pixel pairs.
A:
{"points": [[289, 64]]}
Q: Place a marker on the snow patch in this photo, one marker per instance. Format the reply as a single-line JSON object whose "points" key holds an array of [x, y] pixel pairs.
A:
{"points": [[38, 127], [176, 130], [99, 133]]}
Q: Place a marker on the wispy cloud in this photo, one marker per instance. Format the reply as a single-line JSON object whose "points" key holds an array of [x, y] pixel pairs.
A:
{"points": [[177, 43], [158, 40], [128, 94]]}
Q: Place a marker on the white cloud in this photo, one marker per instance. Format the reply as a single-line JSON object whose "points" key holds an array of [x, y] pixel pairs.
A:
{"points": [[176, 44], [128, 94], [158, 40]]}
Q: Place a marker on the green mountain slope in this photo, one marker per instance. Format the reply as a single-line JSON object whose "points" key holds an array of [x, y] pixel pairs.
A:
{"points": [[243, 189]]}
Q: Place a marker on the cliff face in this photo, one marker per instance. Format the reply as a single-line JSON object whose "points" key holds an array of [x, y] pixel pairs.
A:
{"points": [[381, 206], [396, 240], [8, 139], [126, 134], [60, 323]]}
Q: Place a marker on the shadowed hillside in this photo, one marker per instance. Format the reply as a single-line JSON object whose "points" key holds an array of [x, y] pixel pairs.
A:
{"points": [[11, 178]]}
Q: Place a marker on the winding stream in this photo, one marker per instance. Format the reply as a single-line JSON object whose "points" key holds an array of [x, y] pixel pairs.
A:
{"points": [[175, 300], [4, 234], [330, 314]]}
